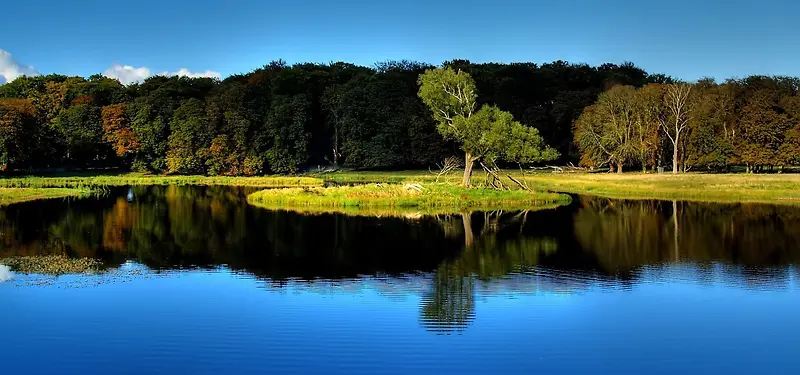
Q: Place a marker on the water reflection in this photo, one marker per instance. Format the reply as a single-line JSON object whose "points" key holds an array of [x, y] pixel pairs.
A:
{"points": [[628, 234], [452, 259]]}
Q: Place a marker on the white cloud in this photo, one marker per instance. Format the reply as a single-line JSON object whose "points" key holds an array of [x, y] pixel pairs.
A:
{"points": [[10, 69], [128, 74]]}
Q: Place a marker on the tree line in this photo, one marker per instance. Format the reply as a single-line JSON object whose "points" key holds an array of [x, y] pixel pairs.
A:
{"points": [[754, 122], [280, 118], [284, 118]]}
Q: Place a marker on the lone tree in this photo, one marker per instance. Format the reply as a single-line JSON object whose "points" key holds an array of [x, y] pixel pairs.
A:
{"points": [[487, 134]]}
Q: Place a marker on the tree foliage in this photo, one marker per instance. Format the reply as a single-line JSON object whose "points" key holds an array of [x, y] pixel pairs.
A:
{"points": [[489, 133], [752, 122], [117, 130], [284, 118]]}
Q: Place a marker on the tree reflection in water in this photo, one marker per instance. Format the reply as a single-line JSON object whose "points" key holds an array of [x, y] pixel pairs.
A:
{"points": [[498, 249], [592, 241]]}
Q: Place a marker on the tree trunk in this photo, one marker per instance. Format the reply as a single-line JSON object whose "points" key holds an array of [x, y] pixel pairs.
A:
{"points": [[469, 238], [336, 146], [675, 157], [675, 234], [469, 162], [658, 160], [619, 167]]}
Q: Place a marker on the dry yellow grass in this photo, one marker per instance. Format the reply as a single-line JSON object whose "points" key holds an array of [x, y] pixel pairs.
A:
{"points": [[773, 188]]}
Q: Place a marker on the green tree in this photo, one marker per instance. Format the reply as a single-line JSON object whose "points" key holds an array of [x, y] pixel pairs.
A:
{"points": [[150, 117], [706, 143], [189, 138], [286, 131], [17, 125], [606, 131], [647, 112], [332, 103], [490, 133], [763, 125], [81, 130]]}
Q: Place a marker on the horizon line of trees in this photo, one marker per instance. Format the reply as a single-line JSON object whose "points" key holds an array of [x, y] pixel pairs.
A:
{"points": [[285, 119]]}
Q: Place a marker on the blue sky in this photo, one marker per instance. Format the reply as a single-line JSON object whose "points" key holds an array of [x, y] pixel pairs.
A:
{"points": [[686, 39]]}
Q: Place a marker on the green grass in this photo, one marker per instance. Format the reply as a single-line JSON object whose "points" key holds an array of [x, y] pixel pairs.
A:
{"points": [[767, 188], [17, 195], [144, 179], [28, 188], [772, 188], [399, 200], [761, 188]]}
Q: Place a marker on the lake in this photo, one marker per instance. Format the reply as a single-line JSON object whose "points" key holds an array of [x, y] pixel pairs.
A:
{"points": [[198, 282]]}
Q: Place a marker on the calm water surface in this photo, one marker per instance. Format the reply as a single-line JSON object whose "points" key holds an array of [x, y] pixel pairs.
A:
{"points": [[201, 283]]}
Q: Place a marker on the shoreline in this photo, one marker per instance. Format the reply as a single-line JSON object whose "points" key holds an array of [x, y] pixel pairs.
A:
{"points": [[19, 195], [781, 189]]}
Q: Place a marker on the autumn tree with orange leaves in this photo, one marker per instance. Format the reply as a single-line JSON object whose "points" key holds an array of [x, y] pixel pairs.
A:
{"points": [[17, 125], [117, 130]]}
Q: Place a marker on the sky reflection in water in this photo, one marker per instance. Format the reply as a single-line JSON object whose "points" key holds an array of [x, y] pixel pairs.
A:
{"points": [[208, 285]]}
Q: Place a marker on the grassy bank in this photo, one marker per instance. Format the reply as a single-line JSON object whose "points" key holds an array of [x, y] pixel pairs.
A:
{"points": [[764, 188], [774, 188], [397, 199], [17, 195], [143, 179]]}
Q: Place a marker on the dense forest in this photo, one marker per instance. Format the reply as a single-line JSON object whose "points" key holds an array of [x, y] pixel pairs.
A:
{"points": [[754, 122], [284, 119]]}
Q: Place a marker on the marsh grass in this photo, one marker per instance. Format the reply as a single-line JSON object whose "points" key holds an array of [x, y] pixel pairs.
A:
{"points": [[17, 195], [52, 265], [400, 200], [144, 179], [773, 188], [700, 187]]}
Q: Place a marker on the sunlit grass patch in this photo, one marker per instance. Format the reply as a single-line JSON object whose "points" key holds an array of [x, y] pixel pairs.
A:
{"points": [[707, 187], [17, 195], [775, 188], [427, 198], [143, 179]]}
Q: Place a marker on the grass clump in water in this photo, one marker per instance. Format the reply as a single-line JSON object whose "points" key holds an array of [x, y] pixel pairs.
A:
{"points": [[438, 198], [52, 264], [702, 187]]}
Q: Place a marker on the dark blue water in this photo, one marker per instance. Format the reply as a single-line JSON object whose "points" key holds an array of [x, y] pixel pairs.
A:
{"points": [[200, 284]]}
